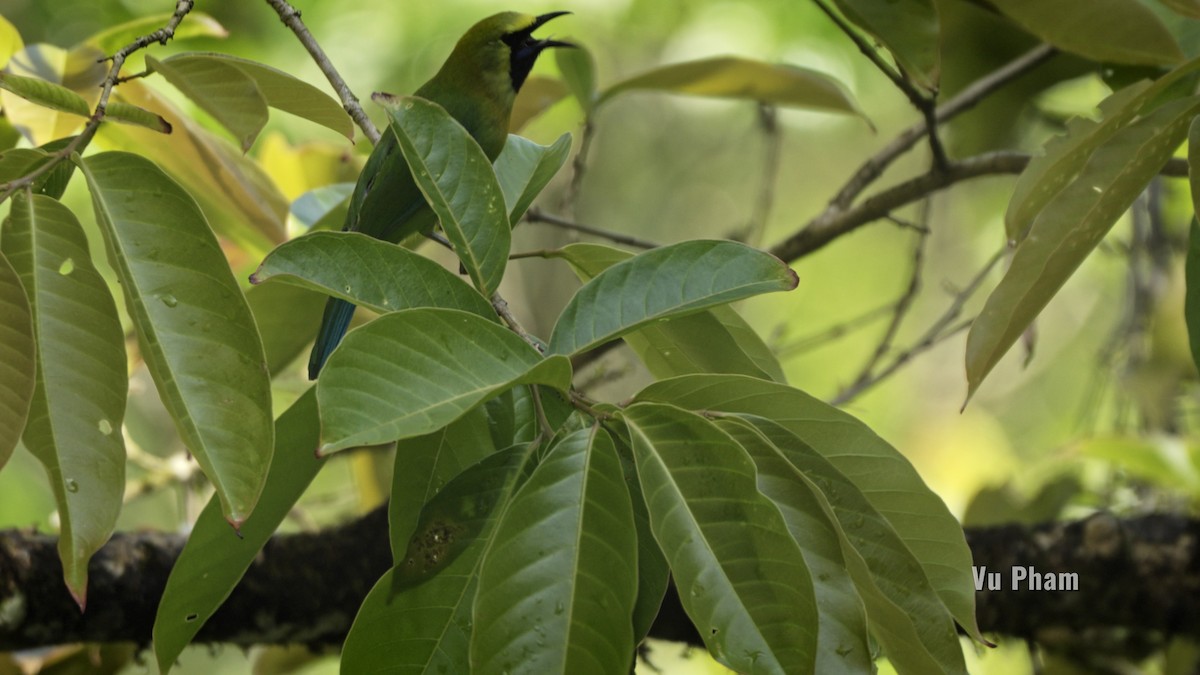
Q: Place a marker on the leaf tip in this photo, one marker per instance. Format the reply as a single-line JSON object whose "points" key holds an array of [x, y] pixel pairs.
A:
{"points": [[165, 126], [385, 99], [79, 595], [793, 279]]}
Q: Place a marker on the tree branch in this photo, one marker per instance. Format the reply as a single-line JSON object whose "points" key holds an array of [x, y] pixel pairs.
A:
{"points": [[1139, 574], [824, 229], [291, 18]]}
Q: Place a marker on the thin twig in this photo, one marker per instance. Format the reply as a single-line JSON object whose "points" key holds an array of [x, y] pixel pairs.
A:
{"points": [[291, 18], [502, 310], [80, 142], [578, 167], [941, 329], [537, 216], [768, 121], [899, 312], [810, 342]]}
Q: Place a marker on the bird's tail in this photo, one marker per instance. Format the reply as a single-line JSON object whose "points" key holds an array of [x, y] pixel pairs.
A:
{"points": [[333, 326]]}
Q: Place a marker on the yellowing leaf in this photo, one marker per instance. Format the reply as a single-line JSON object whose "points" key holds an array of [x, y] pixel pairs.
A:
{"points": [[747, 79]]}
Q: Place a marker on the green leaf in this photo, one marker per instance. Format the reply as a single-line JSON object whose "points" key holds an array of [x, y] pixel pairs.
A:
{"points": [[558, 584], [842, 624], [1120, 31], [426, 627], [885, 477], [1191, 307], [220, 89], [78, 404], [19, 162], [744, 79], [286, 316], [1188, 8], [426, 463], [717, 340], [131, 114], [578, 70], [654, 575], [46, 94], [366, 271], [184, 301], [1064, 157], [214, 559], [665, 283], [313, 206], [905, 614], [411, 372], [458, 182], [524, 168], [910, 29], [198, 24], [1069, 227], [16, 359], [279, 89], [741, 577]]}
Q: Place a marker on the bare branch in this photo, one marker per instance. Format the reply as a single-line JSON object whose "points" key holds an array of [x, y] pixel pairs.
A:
{"points": [[537, 216], [965, 100], [940, 330], [80, 142], [291, 18]]}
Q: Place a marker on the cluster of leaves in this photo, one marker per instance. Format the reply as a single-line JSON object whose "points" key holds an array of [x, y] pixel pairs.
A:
{"points": [[523, 514]]}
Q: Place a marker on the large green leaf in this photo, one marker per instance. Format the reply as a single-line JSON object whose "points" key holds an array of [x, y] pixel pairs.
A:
{"points": [[458, 182], [842, 624], [1069, 227], [524, 168], [214, 559], [558, 584], [1188, 8], [426, 463], [1121, 31], [665, 283], [905, 614], [746, 79], [885, 477], [411, 372], [1064, 157], [717, 340], [278, 89], [184, 302], [74, 425], [220, 89], [17, 366], [741, 577], [408, 627], [366, 271], [910, 29]]}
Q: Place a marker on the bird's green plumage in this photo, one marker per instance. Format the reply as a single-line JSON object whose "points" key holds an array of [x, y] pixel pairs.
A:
{"points": [[477, 86]]}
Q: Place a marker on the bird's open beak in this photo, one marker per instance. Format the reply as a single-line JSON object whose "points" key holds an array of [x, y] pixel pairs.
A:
{"points": [[539, 22]]}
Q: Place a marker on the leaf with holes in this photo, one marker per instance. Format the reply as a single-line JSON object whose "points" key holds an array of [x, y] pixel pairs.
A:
{"points": [[184, 301], [78, 404]]}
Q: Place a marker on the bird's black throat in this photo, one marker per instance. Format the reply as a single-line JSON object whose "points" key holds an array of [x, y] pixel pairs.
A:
{"points": [[524, 49]]}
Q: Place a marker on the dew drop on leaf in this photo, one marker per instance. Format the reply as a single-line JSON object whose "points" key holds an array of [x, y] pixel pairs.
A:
{"points": [[169, 300], [72, 485]]}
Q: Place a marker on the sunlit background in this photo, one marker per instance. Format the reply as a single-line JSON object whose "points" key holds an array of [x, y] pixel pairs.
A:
{"points": [[1106, 381]]}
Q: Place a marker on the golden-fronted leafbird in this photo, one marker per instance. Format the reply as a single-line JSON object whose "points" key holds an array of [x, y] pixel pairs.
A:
{"points": [[476, 85]]}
